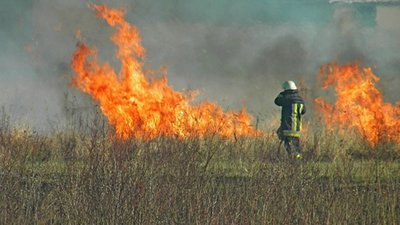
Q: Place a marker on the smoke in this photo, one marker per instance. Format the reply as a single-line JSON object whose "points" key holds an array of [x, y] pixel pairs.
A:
{"points": [[235, 53]]}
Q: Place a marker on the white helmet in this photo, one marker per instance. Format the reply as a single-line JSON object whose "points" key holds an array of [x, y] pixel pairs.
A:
{"points": [[289, 85]]}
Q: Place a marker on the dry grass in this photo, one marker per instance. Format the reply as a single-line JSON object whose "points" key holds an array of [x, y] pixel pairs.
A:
{"points": [[84, 176]]}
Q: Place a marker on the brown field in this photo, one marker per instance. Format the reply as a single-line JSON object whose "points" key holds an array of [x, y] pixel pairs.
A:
{"points": [[85, 176]]}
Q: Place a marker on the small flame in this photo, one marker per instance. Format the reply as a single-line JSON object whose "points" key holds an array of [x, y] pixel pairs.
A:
{"points": [[140, 108], [359, 104]]}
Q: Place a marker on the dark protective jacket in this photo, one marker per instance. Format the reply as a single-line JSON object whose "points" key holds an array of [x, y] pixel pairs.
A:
{"points": [[292, 110]]}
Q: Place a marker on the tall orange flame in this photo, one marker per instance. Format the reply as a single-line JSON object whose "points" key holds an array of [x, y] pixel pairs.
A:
{"points": [[141, 108], [359, 104]]}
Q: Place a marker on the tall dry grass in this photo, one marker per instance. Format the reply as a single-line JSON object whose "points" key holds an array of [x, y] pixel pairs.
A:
{"points": [[85, 176]]}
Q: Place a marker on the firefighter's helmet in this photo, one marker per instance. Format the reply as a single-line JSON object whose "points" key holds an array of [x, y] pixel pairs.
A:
{"points": [[289, 85]]}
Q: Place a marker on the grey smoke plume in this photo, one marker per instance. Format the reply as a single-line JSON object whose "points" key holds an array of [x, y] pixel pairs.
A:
{"points": [[234, 52]]}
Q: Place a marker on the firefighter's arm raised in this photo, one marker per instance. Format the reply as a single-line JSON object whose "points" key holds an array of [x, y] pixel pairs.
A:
{"points": [[279, 100]]}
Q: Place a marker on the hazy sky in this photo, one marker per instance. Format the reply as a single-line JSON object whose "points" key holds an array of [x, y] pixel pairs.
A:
{"points": [[236, 52]]}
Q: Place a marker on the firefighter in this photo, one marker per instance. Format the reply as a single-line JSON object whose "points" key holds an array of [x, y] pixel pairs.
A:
{"points": [[293, 109]]}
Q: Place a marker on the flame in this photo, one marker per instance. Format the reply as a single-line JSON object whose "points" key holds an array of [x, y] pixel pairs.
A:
{"points": [[141, 108], [359, 104]]}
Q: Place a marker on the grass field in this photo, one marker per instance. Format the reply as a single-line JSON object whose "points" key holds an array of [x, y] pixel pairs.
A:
{"points": [[85, 176]]}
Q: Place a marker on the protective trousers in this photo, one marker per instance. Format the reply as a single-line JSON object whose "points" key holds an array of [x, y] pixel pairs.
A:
{"points": [[292, 146]]}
